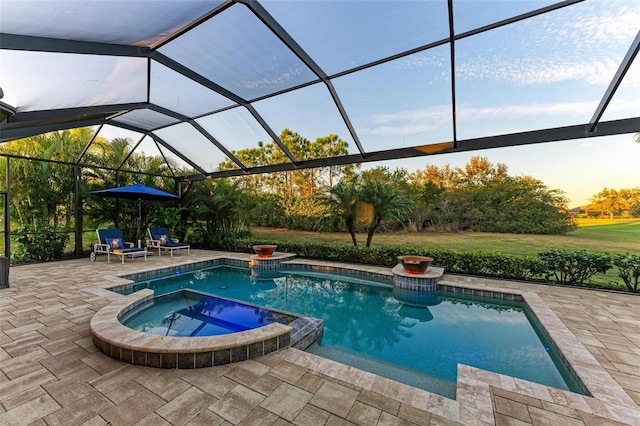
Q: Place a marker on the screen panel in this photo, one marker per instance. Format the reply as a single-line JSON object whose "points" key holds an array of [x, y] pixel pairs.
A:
{"points": [[548, 71], [100, 21], [472, 14], [235, 50], [145, 119], [236, 129], [192, 144], [341, 35], [310, 111], [176, 92], [71, 80], [406, 102]]}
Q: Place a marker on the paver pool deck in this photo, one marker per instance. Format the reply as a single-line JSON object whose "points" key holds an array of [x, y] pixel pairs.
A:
{"points": [[52, 374]]}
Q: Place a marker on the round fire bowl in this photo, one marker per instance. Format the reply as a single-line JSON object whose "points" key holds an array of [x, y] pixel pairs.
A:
{"points": [[415, 264], [265, 250]]}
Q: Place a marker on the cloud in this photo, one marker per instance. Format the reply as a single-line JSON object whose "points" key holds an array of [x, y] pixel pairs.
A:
{"points": [[522, 110], [281, 79], [616, 23], [405, 129], [535, 70], [408, 122], [422, 120], [434, 113]]}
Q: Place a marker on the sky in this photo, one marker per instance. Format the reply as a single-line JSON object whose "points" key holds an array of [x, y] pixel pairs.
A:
{"points": [[547, 71]]}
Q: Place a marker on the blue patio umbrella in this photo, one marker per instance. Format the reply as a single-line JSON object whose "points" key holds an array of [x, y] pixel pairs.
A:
{"points": [[138, 192]]}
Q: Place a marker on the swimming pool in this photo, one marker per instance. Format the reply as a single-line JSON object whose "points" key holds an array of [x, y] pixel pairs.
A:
{"points": [[366, 327]]}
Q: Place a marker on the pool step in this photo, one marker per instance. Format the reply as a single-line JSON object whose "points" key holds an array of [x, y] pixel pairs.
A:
{"points": [[306, 331]]}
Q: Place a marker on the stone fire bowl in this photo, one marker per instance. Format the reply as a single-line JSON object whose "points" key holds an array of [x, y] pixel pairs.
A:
{"points": [[415, 264], [265, 250]]}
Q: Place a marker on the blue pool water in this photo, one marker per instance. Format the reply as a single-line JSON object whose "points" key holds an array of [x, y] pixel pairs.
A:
{"points": [[187, 313], [366, 327]]}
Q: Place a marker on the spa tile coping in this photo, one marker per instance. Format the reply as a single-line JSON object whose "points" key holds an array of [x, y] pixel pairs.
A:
{"points": [[106, 325]]}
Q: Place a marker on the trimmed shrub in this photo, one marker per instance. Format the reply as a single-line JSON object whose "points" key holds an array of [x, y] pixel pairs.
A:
{"points": [[629, 270], [490, 264], [39, 244], [574, 267]]}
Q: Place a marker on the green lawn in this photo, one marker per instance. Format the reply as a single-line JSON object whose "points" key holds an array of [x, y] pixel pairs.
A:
{"points": [[617, 237], [618, 231]]}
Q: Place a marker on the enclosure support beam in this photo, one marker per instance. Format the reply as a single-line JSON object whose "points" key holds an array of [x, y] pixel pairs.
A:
{"points": [[607, 128], [7, 215], [77, 251], [615, 82]]}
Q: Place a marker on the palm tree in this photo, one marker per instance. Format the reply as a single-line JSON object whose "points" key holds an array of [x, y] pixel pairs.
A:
{"points": [[219, 210], [341, 201], [386, 202]]}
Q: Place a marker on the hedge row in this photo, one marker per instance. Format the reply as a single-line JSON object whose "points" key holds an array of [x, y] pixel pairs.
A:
{"points": [[561, 266]]}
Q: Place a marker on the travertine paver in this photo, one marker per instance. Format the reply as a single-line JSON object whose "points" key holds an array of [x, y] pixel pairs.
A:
{"points": [[185, 406], [237, 404], [286, 401], [51, 374], [335, 398]]}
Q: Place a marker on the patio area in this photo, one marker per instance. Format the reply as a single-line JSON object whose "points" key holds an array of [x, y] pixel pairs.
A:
{"points": [[52, 374]]}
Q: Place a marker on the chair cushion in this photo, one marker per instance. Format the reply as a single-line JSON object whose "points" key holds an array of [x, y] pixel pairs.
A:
{"points": [[132, 250], [114, 243], [176, 245], [163, 238]]}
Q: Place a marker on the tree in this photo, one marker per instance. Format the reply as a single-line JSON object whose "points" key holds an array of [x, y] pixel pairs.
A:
{"points": [[110, 155], [515, 205], [482, 196], [289, 198], [219, 209], [342, 202], [444, 177], [479, 170], [617, 201], [42, 190], [386, 202], [632, 199], [426, 199], [330, 146], [293, 183]]}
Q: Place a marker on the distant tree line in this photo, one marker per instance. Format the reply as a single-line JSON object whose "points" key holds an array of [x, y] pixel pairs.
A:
{"points": [[620, 202], [478, 197]]}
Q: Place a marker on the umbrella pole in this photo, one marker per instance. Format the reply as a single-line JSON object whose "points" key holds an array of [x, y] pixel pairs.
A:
{"points": [[138, 235]]}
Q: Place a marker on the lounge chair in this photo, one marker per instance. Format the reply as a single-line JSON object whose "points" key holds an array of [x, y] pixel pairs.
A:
{"points": [[159, 238], [111, 241]]}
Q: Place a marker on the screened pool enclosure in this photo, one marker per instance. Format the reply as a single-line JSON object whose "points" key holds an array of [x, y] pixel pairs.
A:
{"points": [[196, 81]]}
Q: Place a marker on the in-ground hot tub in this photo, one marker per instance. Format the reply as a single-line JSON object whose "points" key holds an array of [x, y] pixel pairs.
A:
{"points": [[191, 313], [188, 329]]}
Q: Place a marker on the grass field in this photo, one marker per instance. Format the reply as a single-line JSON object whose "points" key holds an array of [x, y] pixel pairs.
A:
{"points": [[620, 231], [619, 236]]}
